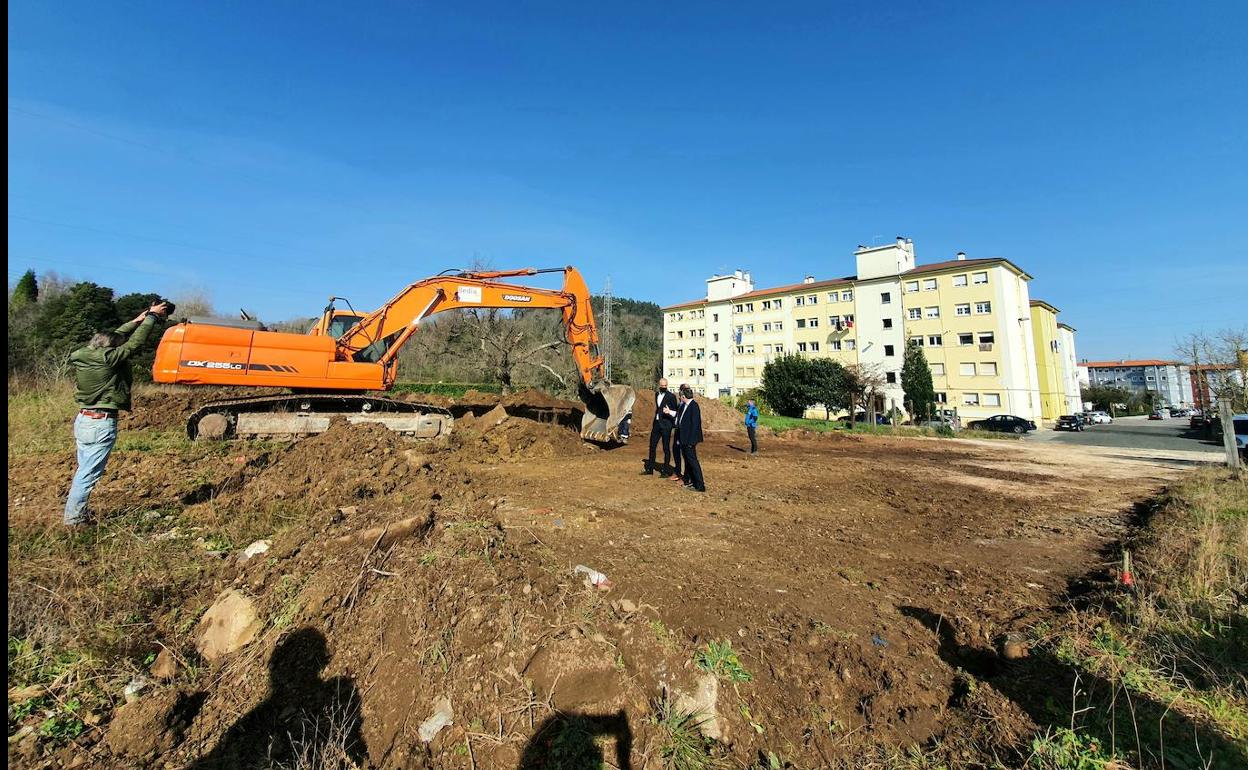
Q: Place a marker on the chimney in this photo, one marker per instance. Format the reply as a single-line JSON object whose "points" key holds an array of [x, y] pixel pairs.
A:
{"points": [[808, 279], [901, 241], [961, 256]]}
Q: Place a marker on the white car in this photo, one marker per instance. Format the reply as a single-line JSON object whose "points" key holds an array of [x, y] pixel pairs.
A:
{"points": [[1100, 418]]}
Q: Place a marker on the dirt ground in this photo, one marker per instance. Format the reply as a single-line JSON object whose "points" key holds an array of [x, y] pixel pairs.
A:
{"points": [[868, 585]]}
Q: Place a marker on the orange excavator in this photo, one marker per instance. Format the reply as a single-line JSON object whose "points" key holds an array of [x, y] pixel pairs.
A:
{"points": [[331, 369]]}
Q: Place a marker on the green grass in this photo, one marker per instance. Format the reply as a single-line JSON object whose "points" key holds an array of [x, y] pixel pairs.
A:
{"points": [[720, 659], [681, 744], [448, 389], [782, 424]]}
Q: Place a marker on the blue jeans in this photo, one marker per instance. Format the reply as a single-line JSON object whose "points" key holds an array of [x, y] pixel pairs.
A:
{"points": [[95, 440]]}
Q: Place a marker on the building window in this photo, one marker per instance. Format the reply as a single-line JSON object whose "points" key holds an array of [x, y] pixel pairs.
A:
{"points": [[938, 370], [740, 349], [740, 371], [814, 347], [778, 326], [912, 285], [766, 348], [779, 348], [848, 318], [942, 398], [717, 378], [966, 369], [847, 296], [739, 330], [966, 339], [801, 346], [978, 278], [888, 323], [766, 327], [914, 313], [831, 296], [737, 308], [779, 304], [959, 280], [963, 309], [813, 299], [992, 399], [834, 345], [749, 307], [715, 338], [715, 317], [767, 305], [834, 320], [714, 356], [929, 284], [886, 298], [986, 338], [749, 328], [988, 369], [931, 312], [935, 340], [888, 350], [801, 323], [812, 322], [850, 344], [890, 378], [970, 399], [799, 301], [749, 350], [983, 307]]}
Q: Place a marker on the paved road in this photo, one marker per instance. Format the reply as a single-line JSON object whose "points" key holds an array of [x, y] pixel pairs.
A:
{"points": [[1133, 433]]}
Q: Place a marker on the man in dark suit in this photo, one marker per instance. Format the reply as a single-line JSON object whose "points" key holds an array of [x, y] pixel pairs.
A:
{"points": [[665, 406], [689, 431]]}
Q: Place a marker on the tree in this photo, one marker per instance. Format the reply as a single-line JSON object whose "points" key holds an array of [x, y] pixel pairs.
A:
{"points": [[1105, 396], [1219, 364], [128, 306], [25, 292], [916, 382], [69, 320], [829, 384], [788, 386]]}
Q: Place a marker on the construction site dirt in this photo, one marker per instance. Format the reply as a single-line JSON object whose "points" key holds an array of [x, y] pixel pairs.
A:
{"points": [[862, 582]]}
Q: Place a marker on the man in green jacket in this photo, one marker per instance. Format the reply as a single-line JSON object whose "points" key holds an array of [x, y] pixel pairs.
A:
{"points": [[102, 370]]}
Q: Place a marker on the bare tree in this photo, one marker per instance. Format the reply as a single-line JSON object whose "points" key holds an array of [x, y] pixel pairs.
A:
{"points": [[194, 302], [1219, 364]]}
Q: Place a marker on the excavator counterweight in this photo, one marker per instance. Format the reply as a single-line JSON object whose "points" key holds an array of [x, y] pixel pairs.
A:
{"points": [[331, 369]]}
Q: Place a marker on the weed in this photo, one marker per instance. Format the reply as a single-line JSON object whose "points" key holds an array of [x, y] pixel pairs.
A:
{"points": [[664, 634], [63, 725], [720, 659], [1066, 749], [682, 745]]}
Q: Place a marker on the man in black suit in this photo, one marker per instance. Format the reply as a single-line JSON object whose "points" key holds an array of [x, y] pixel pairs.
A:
{"points": [[689, 431], [665, 406]]}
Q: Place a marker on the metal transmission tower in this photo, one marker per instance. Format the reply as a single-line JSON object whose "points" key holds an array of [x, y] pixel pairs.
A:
{"points": [[606, 329]]}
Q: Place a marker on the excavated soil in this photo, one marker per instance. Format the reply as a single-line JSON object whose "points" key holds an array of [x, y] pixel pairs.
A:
{"points": [[865, 583]]}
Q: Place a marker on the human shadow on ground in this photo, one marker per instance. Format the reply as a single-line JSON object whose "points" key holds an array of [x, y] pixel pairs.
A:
{"points": [[1150, 732], [572, 742], [304, 717]]}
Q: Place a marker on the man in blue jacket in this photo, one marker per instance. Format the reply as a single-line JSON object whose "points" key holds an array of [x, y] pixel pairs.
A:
{"points": [[751, 422], [689, 430]]}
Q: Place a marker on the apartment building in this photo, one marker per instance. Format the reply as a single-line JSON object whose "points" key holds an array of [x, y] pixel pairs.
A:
{"points": [[971, 315], [1168, 382], [1056, 365]]}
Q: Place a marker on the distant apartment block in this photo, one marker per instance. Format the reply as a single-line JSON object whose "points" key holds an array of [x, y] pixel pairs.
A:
{"points": [[973, 318], [1056, 365], [1169, 382]]}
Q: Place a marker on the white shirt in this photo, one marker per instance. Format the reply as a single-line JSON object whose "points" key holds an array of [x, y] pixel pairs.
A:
{"points": [[658, 404]]}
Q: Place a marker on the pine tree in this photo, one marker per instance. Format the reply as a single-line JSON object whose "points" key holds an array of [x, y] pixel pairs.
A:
{"points": [[26, 292], [916, 382], [68, 321]]}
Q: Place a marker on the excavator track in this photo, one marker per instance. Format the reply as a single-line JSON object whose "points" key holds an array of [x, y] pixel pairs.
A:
{"points": [[290, 416]]}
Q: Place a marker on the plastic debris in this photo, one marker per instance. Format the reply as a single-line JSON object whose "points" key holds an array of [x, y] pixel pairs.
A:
{"points": [[133, 689], [593, 578], [878, 640], [442, 716]]}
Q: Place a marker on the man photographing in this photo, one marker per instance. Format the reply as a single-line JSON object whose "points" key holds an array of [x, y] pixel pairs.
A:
{"points": [[102, 372]]}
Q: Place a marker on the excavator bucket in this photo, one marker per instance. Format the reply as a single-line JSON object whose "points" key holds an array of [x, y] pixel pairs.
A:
{"points": [[608, 409]]}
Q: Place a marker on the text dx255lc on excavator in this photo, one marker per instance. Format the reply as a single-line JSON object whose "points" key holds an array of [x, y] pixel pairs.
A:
{"points": [[331, 369]]}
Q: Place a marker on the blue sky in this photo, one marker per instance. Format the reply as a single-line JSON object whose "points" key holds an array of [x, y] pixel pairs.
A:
{"points": [[275, 153]]}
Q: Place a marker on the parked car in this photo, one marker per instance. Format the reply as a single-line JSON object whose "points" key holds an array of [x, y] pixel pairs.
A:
{"points": [[1070, 422], [862, 417], [1241, 434], [1003, 423], [1097, 418], [940, 422], [1156, 416]]}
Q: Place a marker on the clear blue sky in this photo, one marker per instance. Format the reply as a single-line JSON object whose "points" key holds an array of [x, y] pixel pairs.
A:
{"points": [[275, 153]]}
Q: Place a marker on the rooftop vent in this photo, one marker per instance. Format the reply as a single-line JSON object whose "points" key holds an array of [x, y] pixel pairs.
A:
{"points": [[808, 279], [961, 255]]}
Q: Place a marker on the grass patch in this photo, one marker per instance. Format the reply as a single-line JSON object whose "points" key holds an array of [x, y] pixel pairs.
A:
{"points": [[782, 424], [681, 744], [1167, 661], [720, 659]]}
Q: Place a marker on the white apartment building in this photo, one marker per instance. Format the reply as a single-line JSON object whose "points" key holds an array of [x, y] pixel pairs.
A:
{"points": [[971, 315]]}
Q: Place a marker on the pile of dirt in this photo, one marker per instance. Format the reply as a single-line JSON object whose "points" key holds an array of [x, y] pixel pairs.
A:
{"points": [[716, 415], [520, 432]]}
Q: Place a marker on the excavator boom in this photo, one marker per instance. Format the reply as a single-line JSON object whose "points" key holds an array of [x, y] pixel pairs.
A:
{"points": [[364, 357]]}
